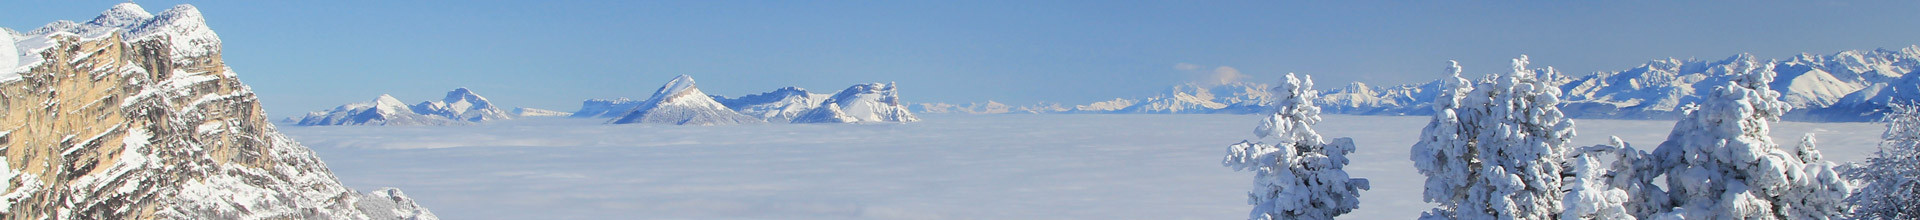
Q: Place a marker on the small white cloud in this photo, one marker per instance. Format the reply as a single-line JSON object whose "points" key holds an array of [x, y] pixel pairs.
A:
{"points": [[1227, 74], [1219, 74], [1186, 67]]}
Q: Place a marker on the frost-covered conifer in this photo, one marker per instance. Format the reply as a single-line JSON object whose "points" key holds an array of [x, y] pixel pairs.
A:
{"points": [[1495, 150], [1590, 193], [1891, 177], [1720, 163], [1301, 176]]}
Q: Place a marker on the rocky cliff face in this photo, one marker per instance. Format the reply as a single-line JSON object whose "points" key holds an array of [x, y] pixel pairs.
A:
{"points": [[135, 116]]}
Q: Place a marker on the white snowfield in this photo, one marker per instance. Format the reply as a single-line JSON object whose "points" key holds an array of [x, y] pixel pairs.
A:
{"points": [[948, 166]]}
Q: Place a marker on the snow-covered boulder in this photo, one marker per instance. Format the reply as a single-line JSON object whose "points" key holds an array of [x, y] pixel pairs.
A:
{"points": [[679, 102], [779, 105], [872, 102], [462, 105]]}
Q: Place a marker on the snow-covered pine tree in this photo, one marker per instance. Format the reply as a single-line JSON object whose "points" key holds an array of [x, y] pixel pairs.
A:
{"points": [[1891, 177], [1589, 193], [1301, 176], [1720, 163], [1496, 150]]}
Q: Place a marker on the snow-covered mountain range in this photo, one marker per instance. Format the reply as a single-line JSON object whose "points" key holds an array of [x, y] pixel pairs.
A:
{"points": [[680, 102], [1845, 86], [534, 112], [134, 115], [872, 102], [779, 105], [461, 106]]}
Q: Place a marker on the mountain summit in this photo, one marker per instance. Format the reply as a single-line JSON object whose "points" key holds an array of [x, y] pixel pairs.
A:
{"points": [[462, 105], [679, 102]]}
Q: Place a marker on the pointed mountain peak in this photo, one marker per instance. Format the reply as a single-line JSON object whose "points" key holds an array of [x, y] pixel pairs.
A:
{"points": [[461, 90], [679, 84], [388, 100], [463, 93], [181, 11]]}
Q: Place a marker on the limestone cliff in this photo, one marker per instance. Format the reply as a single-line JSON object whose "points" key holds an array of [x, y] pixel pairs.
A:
{"points": [[135, 116]]}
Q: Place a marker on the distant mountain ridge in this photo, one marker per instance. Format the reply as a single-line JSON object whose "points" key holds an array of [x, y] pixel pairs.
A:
{"points": [[1854, 85], [680, 102], [461, 106]]}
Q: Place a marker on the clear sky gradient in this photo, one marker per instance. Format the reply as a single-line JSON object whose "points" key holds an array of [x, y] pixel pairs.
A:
{"points": [[310, 55]]}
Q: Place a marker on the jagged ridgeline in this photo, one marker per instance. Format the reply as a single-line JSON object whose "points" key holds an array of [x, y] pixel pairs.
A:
{"points": [[134, 115]]}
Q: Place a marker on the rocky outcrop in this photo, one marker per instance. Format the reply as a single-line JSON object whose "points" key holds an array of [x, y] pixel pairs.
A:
{"points": [[135, 116]]}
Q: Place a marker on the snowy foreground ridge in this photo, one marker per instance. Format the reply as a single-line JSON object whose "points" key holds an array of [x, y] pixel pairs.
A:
{"points": [[1845, 86], [133, 115]]}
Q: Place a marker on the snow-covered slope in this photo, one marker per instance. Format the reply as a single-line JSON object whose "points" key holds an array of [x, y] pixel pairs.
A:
{"points": [[779, 105], [680, 103], [9, 57], [462, 105], [605, 108], [534, 112], [1873, 101], [872, 102], [135, 116]]}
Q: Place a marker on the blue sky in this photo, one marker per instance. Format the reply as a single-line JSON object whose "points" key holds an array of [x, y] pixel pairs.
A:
{"points": [[310, 55]]}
